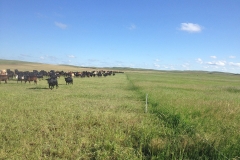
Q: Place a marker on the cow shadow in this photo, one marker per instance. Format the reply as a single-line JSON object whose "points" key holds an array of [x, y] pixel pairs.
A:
{"points": [[38, 88]]}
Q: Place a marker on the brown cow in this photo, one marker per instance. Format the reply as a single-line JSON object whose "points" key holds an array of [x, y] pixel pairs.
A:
{"points": [[3, 72], [3, 78], [31, 78]]}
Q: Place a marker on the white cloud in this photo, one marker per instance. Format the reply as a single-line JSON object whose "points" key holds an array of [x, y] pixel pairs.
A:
{"points": [[205, 67], [166, 67], [190, 27], [156, 65], [157, 60], [132, 27], [60, 25], [234, 64], [218, 63], [214, 57], [232, 57], [199, 60], [71, 56], [186, 65]]}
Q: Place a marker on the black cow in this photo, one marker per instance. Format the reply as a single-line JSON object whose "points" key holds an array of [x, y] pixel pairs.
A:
{"points": [[3, 78], [40, 76], [10, 74], [21, 78], [69, 80], [52, 82]]}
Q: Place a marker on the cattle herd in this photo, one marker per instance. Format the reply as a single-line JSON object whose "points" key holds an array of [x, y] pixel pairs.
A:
{"points": [[51, 76]]}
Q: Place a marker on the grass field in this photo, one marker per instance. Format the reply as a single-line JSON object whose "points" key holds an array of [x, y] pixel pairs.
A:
{"points": [[191, 115], [200, 112]]}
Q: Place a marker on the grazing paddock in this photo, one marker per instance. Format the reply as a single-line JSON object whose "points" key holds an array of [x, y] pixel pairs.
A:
{"points": [[191, 115]]}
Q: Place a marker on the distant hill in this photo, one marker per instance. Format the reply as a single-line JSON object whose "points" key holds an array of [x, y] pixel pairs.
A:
{"points": [[29, 66], [24, 65]]}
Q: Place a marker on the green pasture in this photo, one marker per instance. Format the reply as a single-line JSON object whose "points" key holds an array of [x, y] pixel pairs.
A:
{"points": [[190, 115]]}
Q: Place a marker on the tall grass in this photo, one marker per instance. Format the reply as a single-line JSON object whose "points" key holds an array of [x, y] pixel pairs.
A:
{"points": [[200, 112], [191, 116], [95, 118]]}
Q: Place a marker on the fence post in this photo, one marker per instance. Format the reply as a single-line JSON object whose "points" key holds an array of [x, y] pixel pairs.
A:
{"points": [[146, 106]]}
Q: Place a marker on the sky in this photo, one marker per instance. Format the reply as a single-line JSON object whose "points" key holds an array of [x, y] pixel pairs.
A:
{"points": [[151, 34]]}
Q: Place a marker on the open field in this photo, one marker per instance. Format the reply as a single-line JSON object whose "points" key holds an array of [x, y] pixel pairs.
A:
{"points": [[191, 115]]}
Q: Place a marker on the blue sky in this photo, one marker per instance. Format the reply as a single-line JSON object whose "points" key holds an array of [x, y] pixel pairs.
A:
{"points": [[151, 34]]}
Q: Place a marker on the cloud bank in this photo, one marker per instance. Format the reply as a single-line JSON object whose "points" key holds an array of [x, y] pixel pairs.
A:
{"points": [[217, 63], [234, 64]]}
